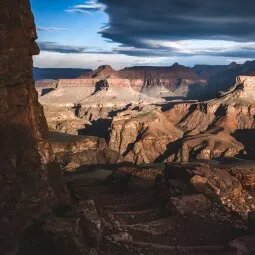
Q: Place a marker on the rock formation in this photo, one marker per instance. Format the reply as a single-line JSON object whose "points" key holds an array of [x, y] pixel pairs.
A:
{"points": [[211, 126], [207, 71], [226, 77], [79, 152], [142, 136], [37, 216], [175, 80], [221, 185], [202, 130], [193, 130], [72, 103], [103, 72], [150, 211], [190, 130], [69, 93], [30, 181]]}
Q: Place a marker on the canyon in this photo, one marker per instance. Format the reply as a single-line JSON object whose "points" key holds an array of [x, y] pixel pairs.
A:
{"points": [[121, 162], [148, 127], [202, 130]]}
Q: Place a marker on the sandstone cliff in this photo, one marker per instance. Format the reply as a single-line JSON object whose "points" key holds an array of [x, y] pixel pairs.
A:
{"points": [[210, 126], [223, 79], [142, 136], [207, 71], [175, 80], [29, 181], [202, 130], [82, 152]]}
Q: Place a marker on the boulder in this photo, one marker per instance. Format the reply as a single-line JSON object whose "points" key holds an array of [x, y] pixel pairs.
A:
{"points": [[216, 184], [190, 204], [90, 222]]}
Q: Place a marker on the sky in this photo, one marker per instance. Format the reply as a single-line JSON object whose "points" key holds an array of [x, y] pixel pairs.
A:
{"points": [[121, 33]]}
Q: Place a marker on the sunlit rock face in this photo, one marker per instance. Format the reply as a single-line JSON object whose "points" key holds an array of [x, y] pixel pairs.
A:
{"points": [[142, 136], [220, 127], [153, 81], [202, 130], [26, 163]]}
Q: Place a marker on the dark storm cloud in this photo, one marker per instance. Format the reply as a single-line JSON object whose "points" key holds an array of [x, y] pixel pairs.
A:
{"points": [[60, 48], [132, 22], [243, 51], [239, 52], [55, 47]]}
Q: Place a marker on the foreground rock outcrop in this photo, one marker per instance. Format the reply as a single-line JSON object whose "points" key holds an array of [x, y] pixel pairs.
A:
{"points": [[155, 209], [30, 181], [218, 184]]}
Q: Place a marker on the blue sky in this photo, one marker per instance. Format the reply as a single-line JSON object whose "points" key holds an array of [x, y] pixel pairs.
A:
{"points": [[56, 23], [78, 29], [86, 34]]}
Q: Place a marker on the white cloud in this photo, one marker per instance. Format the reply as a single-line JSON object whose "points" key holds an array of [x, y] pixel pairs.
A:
{"points": [[118, 61], [238, 60], [51, 29], [92, 60], [197, 47], [87, 7]]}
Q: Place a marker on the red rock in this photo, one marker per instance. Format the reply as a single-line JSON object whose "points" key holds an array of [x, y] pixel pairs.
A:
{"points": [[30, 180]]}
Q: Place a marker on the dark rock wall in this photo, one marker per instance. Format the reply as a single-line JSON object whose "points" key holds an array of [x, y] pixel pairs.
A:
{"points": [[30, 182]]}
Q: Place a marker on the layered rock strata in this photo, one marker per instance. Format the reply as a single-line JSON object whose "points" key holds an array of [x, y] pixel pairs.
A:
{"points": [[212, 126], [219, 185], [142, 136], [153, 80], [206, 130], [82, 152]]}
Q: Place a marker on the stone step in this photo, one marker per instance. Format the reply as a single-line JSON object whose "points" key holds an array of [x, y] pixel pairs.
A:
{"points": [[151, 231], [186, 232], [119, 198], [133, 217], [148, 248], [135, 206], [104, 195], [152, 248], [116, 203]]}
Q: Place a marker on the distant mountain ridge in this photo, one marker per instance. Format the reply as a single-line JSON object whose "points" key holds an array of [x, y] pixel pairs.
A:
{"points": [[175, 71], [199, 82], [207, 71], [154, 81], [223, 79], [57, 73]]}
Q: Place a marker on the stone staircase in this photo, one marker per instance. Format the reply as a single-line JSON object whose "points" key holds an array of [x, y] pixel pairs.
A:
{"points": [[135, 222]]}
